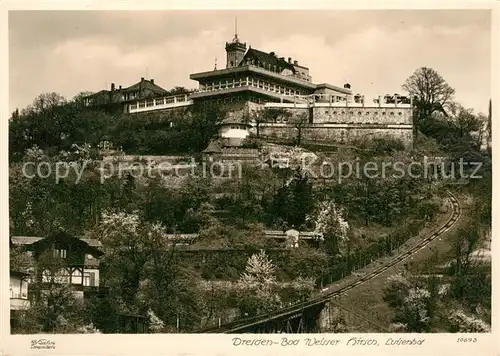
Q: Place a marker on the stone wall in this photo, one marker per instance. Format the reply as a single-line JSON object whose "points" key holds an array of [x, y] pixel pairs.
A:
{"points": [[343, 124], [362, 115], [340, 133]]}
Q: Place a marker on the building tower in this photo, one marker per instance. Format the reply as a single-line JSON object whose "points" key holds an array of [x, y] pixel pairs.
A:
{"points": [[235, 49]]}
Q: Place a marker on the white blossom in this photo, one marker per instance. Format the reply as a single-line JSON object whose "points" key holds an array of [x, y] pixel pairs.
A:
{"points": [[156, 325], [260, 270], [466, 323]]}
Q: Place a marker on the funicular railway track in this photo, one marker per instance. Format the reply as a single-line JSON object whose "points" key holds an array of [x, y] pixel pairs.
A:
{"points": [[326, 295]]}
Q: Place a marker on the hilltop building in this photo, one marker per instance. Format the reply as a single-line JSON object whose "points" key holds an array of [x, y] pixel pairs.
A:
{"points": [[261, 77], [117, 98], [253, 80]]}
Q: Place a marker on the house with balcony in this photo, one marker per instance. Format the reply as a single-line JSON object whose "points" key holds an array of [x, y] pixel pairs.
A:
{"points": [[63, 258], [261, 77]]}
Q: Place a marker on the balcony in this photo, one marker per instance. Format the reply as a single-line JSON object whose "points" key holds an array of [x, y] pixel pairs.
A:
{"points": [[167, 102], [18, 303]]}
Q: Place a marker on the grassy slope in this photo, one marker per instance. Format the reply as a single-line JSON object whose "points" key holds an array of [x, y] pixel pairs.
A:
{"points": [[367, 298]]}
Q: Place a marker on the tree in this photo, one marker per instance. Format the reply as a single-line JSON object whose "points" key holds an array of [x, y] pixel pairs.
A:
{"points": [[178, 91], [294, 201], [78, 98], [56, 310], [268, 115], [257, 286], [259, 270], [299, 122], [411, 303], [462, 323], [464, 119], [430, 92], [329, 220]]}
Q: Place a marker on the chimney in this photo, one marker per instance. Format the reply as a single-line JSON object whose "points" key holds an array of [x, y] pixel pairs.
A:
{"points": [[282, 58], [152, 81], [290, 60], [296, 63], [347, 86], [272, 54], [142, 79], [112, 86], [120, 87]]}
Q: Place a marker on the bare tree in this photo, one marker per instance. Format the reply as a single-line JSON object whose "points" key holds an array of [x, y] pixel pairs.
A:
{"points": [[430, 91], [299, 122]]}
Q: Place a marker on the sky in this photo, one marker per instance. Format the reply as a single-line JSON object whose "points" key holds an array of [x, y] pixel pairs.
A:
{"points": [[374, 50]]}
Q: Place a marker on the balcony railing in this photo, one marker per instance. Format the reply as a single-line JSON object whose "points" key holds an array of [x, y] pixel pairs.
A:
{"points": [[249, 82], [160, 103]]}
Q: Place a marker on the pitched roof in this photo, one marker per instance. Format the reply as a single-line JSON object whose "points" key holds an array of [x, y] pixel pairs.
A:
{"points": [[145, 84], [139, 86], [29, 240], [266, 58], [24, 240], [213, 147]]}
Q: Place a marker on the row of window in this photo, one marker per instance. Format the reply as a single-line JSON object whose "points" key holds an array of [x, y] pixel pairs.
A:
{"points": [[63, 253], [366, 113], [63, 276], [158, 101], [20, 291]]}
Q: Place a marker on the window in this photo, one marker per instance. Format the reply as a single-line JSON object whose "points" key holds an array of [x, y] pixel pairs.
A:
{"points": [[392, 113], [359, 113], [400, 113], [150, 102], [142, 104], [326, 111], [24, 289], [89, 256], [61, 253], [46, 276], [76, 277], [89, 279], [86, 279]]}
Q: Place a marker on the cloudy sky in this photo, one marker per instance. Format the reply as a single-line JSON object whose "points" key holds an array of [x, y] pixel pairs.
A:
{"points": [[72, 51]]}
